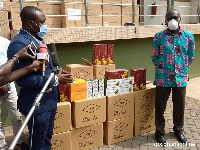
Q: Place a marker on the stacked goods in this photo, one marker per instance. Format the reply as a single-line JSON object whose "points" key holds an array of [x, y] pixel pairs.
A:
{"points": [[61, 138], [51, 9], [15, 11], [139, 78], [144, 111], [102, 59], [5, 30], [118, 82]]}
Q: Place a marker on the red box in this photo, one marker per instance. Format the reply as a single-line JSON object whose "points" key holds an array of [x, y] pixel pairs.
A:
{"points": [[112, 74], [136, 74], [64, 92], [96, 55], [123, 73], [142, 78], [110, 51], [103, 55]]}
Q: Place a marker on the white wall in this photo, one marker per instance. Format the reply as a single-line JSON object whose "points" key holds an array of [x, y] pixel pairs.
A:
{"points": [[158, 20]]}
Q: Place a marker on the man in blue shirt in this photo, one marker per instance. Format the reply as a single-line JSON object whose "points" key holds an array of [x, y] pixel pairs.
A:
{"points": [[41, 124]]}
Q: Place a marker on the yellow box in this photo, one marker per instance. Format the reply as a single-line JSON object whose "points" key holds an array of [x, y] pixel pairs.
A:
{"points": [[78, 87], [76, 96]]}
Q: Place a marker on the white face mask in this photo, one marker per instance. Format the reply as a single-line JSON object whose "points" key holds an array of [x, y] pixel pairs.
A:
{"points": [[173, 24]]}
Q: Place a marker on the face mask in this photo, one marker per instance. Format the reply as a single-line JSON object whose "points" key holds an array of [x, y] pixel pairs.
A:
{"points": [[43, 31], [173, 24]]}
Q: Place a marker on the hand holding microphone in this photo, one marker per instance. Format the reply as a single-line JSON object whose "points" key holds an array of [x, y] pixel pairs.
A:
{"points": [[43, 56]]}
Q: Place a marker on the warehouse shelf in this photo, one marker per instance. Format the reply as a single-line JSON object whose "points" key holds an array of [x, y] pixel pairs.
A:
{"points": [[86, 34]]}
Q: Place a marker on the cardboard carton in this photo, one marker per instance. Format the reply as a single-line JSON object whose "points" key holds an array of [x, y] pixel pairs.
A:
{"points": [[5, 5], [128, 10], [89, 112], [112, 1], [144, 100], [75, 14], [144, 122], [120, 106], [5, 29], [49, 9], [111, 20], [87, 138], [99, 70], [78, 87], [118, 130], [62, 121], [77, 96], [81, 71], [61, 141], [53, 22]]}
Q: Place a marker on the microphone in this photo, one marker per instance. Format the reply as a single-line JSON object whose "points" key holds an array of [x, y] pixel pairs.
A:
{"points": [[42, 55], [54, 56]]}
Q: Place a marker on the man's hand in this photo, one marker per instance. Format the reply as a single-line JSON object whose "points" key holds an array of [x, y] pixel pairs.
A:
{"points": [[37, 65], [64, 77], [4, 90], [23, 54]]}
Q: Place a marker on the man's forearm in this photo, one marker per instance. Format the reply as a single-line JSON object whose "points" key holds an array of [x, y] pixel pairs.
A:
{"points": [[7, 67]]}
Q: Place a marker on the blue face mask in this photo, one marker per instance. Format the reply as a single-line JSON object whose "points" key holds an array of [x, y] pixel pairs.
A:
{"points": [[43, 31]]}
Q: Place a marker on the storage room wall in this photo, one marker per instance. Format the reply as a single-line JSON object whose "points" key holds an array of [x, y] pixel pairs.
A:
{"points": [[128, 54]]}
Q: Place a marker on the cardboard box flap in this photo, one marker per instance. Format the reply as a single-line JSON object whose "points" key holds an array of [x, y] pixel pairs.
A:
{"points": [[87, 62]]}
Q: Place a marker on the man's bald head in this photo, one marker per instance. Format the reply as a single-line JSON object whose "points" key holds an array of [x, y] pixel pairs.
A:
{"points": [[172, 14]]}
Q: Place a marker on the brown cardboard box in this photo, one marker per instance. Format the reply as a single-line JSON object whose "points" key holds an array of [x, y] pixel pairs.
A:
{"points": [[81, 71], [74, 1], [62, 121], [15, 11], [127, 10], [5, 4], [94, 1], [49, 9], [112, 1], [61, 141], [99, 70], [94, 10], [13, 33], [73, 9], [53, 22], [120, 106], [144, 100], [5, 30], [118, 130], [89, 112], [144, 122], [111, 20], [87, 138], [128, 2]]}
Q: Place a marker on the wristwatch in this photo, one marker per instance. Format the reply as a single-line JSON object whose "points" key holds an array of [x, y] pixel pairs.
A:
{"points": [[16, 59]]}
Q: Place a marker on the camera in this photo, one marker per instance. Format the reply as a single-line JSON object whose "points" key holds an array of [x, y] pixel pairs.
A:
{"points": [[32, 49]]}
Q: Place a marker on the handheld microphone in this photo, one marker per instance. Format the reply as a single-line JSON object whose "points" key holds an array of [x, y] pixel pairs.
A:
{"points": [[54, 56], [42, 55]]}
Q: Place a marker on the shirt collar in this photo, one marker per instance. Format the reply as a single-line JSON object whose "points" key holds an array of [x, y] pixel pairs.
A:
{"points": [[180, 30], [39, 41]]}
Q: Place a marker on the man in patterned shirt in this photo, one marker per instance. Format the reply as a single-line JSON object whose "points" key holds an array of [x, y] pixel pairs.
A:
{"points": [[172, 53]]}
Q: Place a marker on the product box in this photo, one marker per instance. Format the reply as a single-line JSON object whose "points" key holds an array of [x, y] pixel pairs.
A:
{"points": [[144, 122], [111, 20], [62, 121], [139, 78], [112, 74], [5, 30], [113, 83], [113, 91], [81, 71], [120, 106], [99, 54], [123, 73], [142, 78], [87, 138], [118, 130], [94, 14], [15, 11], [89, 112], [110, 51], [99, 70], [49, 9], [144, 100], [5, 5], [61, 141], [77, 96], [78, 86], [127, 82], [76, 15], [126, 89], [64, 92]]}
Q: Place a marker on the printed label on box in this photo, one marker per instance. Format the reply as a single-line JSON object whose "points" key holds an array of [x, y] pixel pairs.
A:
{"points": [[74, 14]]}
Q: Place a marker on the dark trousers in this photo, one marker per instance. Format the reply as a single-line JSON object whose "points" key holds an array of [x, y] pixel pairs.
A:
{"points": [[178, 99], [42, 130]]}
